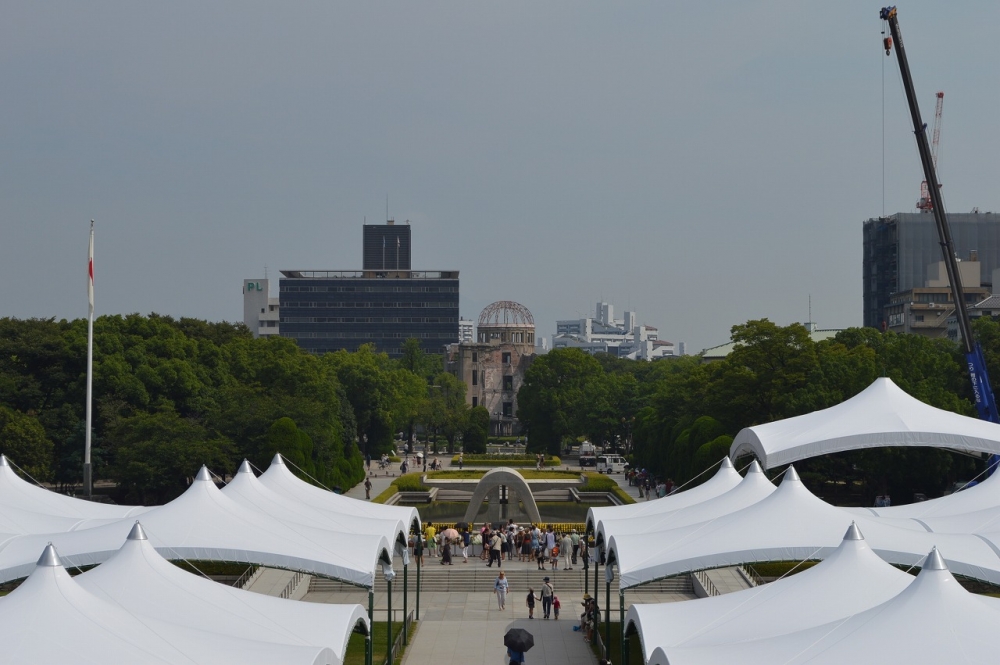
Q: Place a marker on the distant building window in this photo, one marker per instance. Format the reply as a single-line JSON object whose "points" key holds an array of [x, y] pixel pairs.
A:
{"points": [[508, 409], [475, 359], [508, 383], [261, 310], [506, 358], [475, 400], [475, 378]]}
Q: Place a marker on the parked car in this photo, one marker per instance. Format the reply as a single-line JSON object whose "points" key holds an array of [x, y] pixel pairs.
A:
{"points": [[611, 464]]}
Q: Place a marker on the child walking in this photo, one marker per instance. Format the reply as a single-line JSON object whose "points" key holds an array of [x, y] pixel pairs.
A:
{"points": [[530, 602], [556, 605]]}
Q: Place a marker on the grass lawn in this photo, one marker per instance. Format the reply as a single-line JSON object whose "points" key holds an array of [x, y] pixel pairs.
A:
{"points": [[356, 645]]}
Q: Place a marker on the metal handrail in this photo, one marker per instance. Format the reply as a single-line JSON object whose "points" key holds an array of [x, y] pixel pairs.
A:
{"points": [[707, 583], [244, 579], [752, 575], [397, 643], [291, 586]]}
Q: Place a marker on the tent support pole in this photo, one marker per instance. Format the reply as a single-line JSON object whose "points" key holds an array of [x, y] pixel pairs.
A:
{"points": [[370, 658], [388, 620], [585, 542], [621, 621], [597, 564], [417, 616], [607, 609], [406, 586]]}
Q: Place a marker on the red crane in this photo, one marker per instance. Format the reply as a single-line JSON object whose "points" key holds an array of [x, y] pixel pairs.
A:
{"points": [[925, 204]]}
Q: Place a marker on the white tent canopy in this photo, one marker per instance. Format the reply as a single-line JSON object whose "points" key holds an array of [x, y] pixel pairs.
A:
{"points": [[881, 415], [790, 525], [19, 494], [279, 479], [51, 619], [246, 489], [933, 621], [203, 523], [140, 581], [754, 487], [850, 580], [725, 479]]}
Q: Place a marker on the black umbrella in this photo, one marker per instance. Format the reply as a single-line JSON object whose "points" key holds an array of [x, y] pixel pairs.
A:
{"points": [[461, 525], [518, 639]]}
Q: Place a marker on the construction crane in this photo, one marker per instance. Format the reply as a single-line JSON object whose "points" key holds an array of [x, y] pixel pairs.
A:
{"points": [[986, 405], [925, 204]]}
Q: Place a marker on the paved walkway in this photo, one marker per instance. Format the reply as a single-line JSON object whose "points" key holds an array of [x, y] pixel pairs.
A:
{"points": [[467, 627]]}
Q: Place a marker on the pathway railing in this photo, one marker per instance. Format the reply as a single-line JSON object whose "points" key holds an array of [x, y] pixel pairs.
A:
{"points": [[707, 583], [398, 642], [291, 586]]}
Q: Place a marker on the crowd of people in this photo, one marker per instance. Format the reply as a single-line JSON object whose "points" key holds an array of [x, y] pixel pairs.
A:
{"points": [[547, 548], [649, 486]]}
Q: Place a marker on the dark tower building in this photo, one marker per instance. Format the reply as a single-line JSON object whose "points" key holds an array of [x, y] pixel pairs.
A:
{"points": [[898, 250], [386, 246], [328, 310]]}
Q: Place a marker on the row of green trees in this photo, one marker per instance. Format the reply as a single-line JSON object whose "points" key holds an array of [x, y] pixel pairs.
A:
{"points": [[170, 395], [677, 417]]}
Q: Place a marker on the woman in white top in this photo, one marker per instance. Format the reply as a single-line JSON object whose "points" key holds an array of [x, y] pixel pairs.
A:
{"points": [[500, 587]]}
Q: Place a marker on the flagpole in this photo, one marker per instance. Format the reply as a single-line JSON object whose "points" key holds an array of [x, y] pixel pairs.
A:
{"points": [[87, 478]]}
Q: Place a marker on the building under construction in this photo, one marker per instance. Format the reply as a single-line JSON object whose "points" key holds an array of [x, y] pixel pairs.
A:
{"points": [[899, 251]]}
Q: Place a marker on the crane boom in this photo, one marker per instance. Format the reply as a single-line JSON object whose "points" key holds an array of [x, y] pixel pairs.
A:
{"points": [[925, 203], [982, 391]]}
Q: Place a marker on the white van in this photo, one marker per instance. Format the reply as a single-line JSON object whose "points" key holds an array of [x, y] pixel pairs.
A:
{"points": [[611, 464]]}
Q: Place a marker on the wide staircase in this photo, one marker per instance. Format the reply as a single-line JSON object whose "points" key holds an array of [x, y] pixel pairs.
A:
{"points": [[475, 577]]}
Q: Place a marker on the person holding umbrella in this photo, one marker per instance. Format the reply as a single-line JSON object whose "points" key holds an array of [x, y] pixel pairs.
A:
{"points": [[517, 641]]}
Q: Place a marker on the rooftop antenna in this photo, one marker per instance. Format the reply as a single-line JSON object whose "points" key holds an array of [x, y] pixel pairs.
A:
{"points": [[387, 207], [810, 310], [265, 271]]}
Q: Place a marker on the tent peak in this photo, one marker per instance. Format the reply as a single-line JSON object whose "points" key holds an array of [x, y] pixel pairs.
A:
{"points": [[3, 461], [137, 532], [49, 557], [754, 468], [277, 459], [245, 467], [853, 532], [934, 561], [203, 474], [726, 463], [791, 475]]}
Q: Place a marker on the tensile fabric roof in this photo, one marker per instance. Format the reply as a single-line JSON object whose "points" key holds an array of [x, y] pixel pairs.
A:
{"points": [[50, 618], [140, 581], [203, 523], [725, 479], [932, 621], [754, 487], [882, 415], [852, 579]]}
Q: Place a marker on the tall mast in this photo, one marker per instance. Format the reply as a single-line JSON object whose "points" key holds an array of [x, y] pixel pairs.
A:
{"points": [[87, 478]]}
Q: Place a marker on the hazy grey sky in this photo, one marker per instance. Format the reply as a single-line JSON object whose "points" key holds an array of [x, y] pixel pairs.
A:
{"points": [[701, 163]]}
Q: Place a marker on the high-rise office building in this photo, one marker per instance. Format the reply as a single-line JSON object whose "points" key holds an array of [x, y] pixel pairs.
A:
{"points": [[386, 246], [328, 310], [899, 249]]}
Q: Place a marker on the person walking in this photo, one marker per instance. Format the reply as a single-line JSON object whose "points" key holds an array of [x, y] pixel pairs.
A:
{"points": [[515, 656], [547, 593], [466, 541], [446, 552], [461, 457], [500, 588], [368, 489], [530, 602], [555, 606], [575, 539], [550, 541]]}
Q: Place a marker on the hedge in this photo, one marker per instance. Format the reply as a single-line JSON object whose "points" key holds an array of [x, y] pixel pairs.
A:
{"points": [[409, 482], [499, 459], [597, 482]]}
